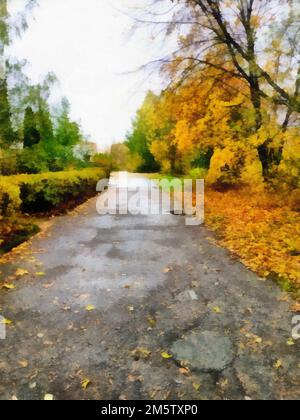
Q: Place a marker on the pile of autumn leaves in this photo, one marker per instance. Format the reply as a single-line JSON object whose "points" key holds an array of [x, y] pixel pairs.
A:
{"points": [[261, 230]]}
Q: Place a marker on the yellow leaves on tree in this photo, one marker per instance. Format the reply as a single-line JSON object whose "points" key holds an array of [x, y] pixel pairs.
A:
{"points": [[235, 165], [290, 164]]}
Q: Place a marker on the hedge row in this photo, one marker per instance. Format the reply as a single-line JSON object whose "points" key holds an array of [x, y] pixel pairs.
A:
{"points": [[41, 193]]}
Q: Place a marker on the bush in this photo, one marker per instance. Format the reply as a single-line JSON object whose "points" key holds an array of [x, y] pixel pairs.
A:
{"points": [[235, 166], [33, 160], [198, 173], [9, 197], [9, 209], [289, 168], [9, 162], [41, 193]]}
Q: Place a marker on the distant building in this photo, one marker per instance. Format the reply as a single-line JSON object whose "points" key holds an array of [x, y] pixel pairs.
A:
{"points": [[85, 148], [92, 147]]}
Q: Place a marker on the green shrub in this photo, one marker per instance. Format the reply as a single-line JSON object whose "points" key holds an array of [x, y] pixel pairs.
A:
{"points": [[9, 197], [9, 161], [198, 173], [41, 193], [33, 160]]}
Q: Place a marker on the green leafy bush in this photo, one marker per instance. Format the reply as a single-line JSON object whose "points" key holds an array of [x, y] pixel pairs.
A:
{"points": [[42, 192], [198, 173], [46, 191], [23, 194]]}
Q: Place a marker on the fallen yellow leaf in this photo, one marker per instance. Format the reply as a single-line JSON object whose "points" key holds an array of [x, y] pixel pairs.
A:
{"points": [[9, 286], [165, 355], [85, 383], [21, 272], [90, 307], [196, 386], [278, 364], [290, 342], [217, 310], [5, 321], [40, 274], [48, 397]]}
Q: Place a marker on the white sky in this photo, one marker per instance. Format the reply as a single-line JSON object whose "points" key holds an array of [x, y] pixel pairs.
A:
{"points": [[86, 43]]}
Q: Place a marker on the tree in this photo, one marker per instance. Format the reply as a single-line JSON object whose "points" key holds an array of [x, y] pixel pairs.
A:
{"points": [[224, 34], [4, 35], [44, 122], [138, 140], [156, 121], [10, 73], [31, 133], [122, 159], [7, 135], [67, 132]]}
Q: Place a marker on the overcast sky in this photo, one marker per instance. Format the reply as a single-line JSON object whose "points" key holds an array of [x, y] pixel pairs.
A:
{"points": [[87, 44]]}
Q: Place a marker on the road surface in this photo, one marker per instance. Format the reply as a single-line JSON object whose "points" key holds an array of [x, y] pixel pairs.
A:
{"points": [[141, 307]]}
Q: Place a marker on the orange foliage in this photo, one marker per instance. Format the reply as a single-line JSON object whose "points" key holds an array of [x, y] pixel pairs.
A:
{"points": [[262, 231]]}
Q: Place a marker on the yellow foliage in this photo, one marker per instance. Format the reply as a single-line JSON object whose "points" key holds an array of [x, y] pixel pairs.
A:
{"points": [[9, 197], [53, 188], [263, 232], [234, 165], [252, 171], [289, 167], [222, 167]]}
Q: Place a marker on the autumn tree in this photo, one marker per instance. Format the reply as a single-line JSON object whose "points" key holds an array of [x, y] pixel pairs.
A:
{"points": [[121, 158], [241, 32], [157, 120]]}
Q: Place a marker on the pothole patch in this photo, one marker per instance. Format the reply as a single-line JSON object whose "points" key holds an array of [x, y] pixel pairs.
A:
{"points": [[205, 350]]}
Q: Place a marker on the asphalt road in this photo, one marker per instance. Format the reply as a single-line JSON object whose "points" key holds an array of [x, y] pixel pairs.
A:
{"points": [[141, 307]]}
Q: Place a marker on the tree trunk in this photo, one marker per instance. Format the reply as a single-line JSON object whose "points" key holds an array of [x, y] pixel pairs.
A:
{"points": [[256, 101], [263, 150]]}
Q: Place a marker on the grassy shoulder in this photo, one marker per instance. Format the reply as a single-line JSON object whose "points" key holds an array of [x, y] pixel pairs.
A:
{"points": [[24, 197], [261, 229]]}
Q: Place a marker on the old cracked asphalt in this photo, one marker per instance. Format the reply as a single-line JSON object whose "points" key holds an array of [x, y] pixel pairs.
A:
{"points": [[154, 285]]}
